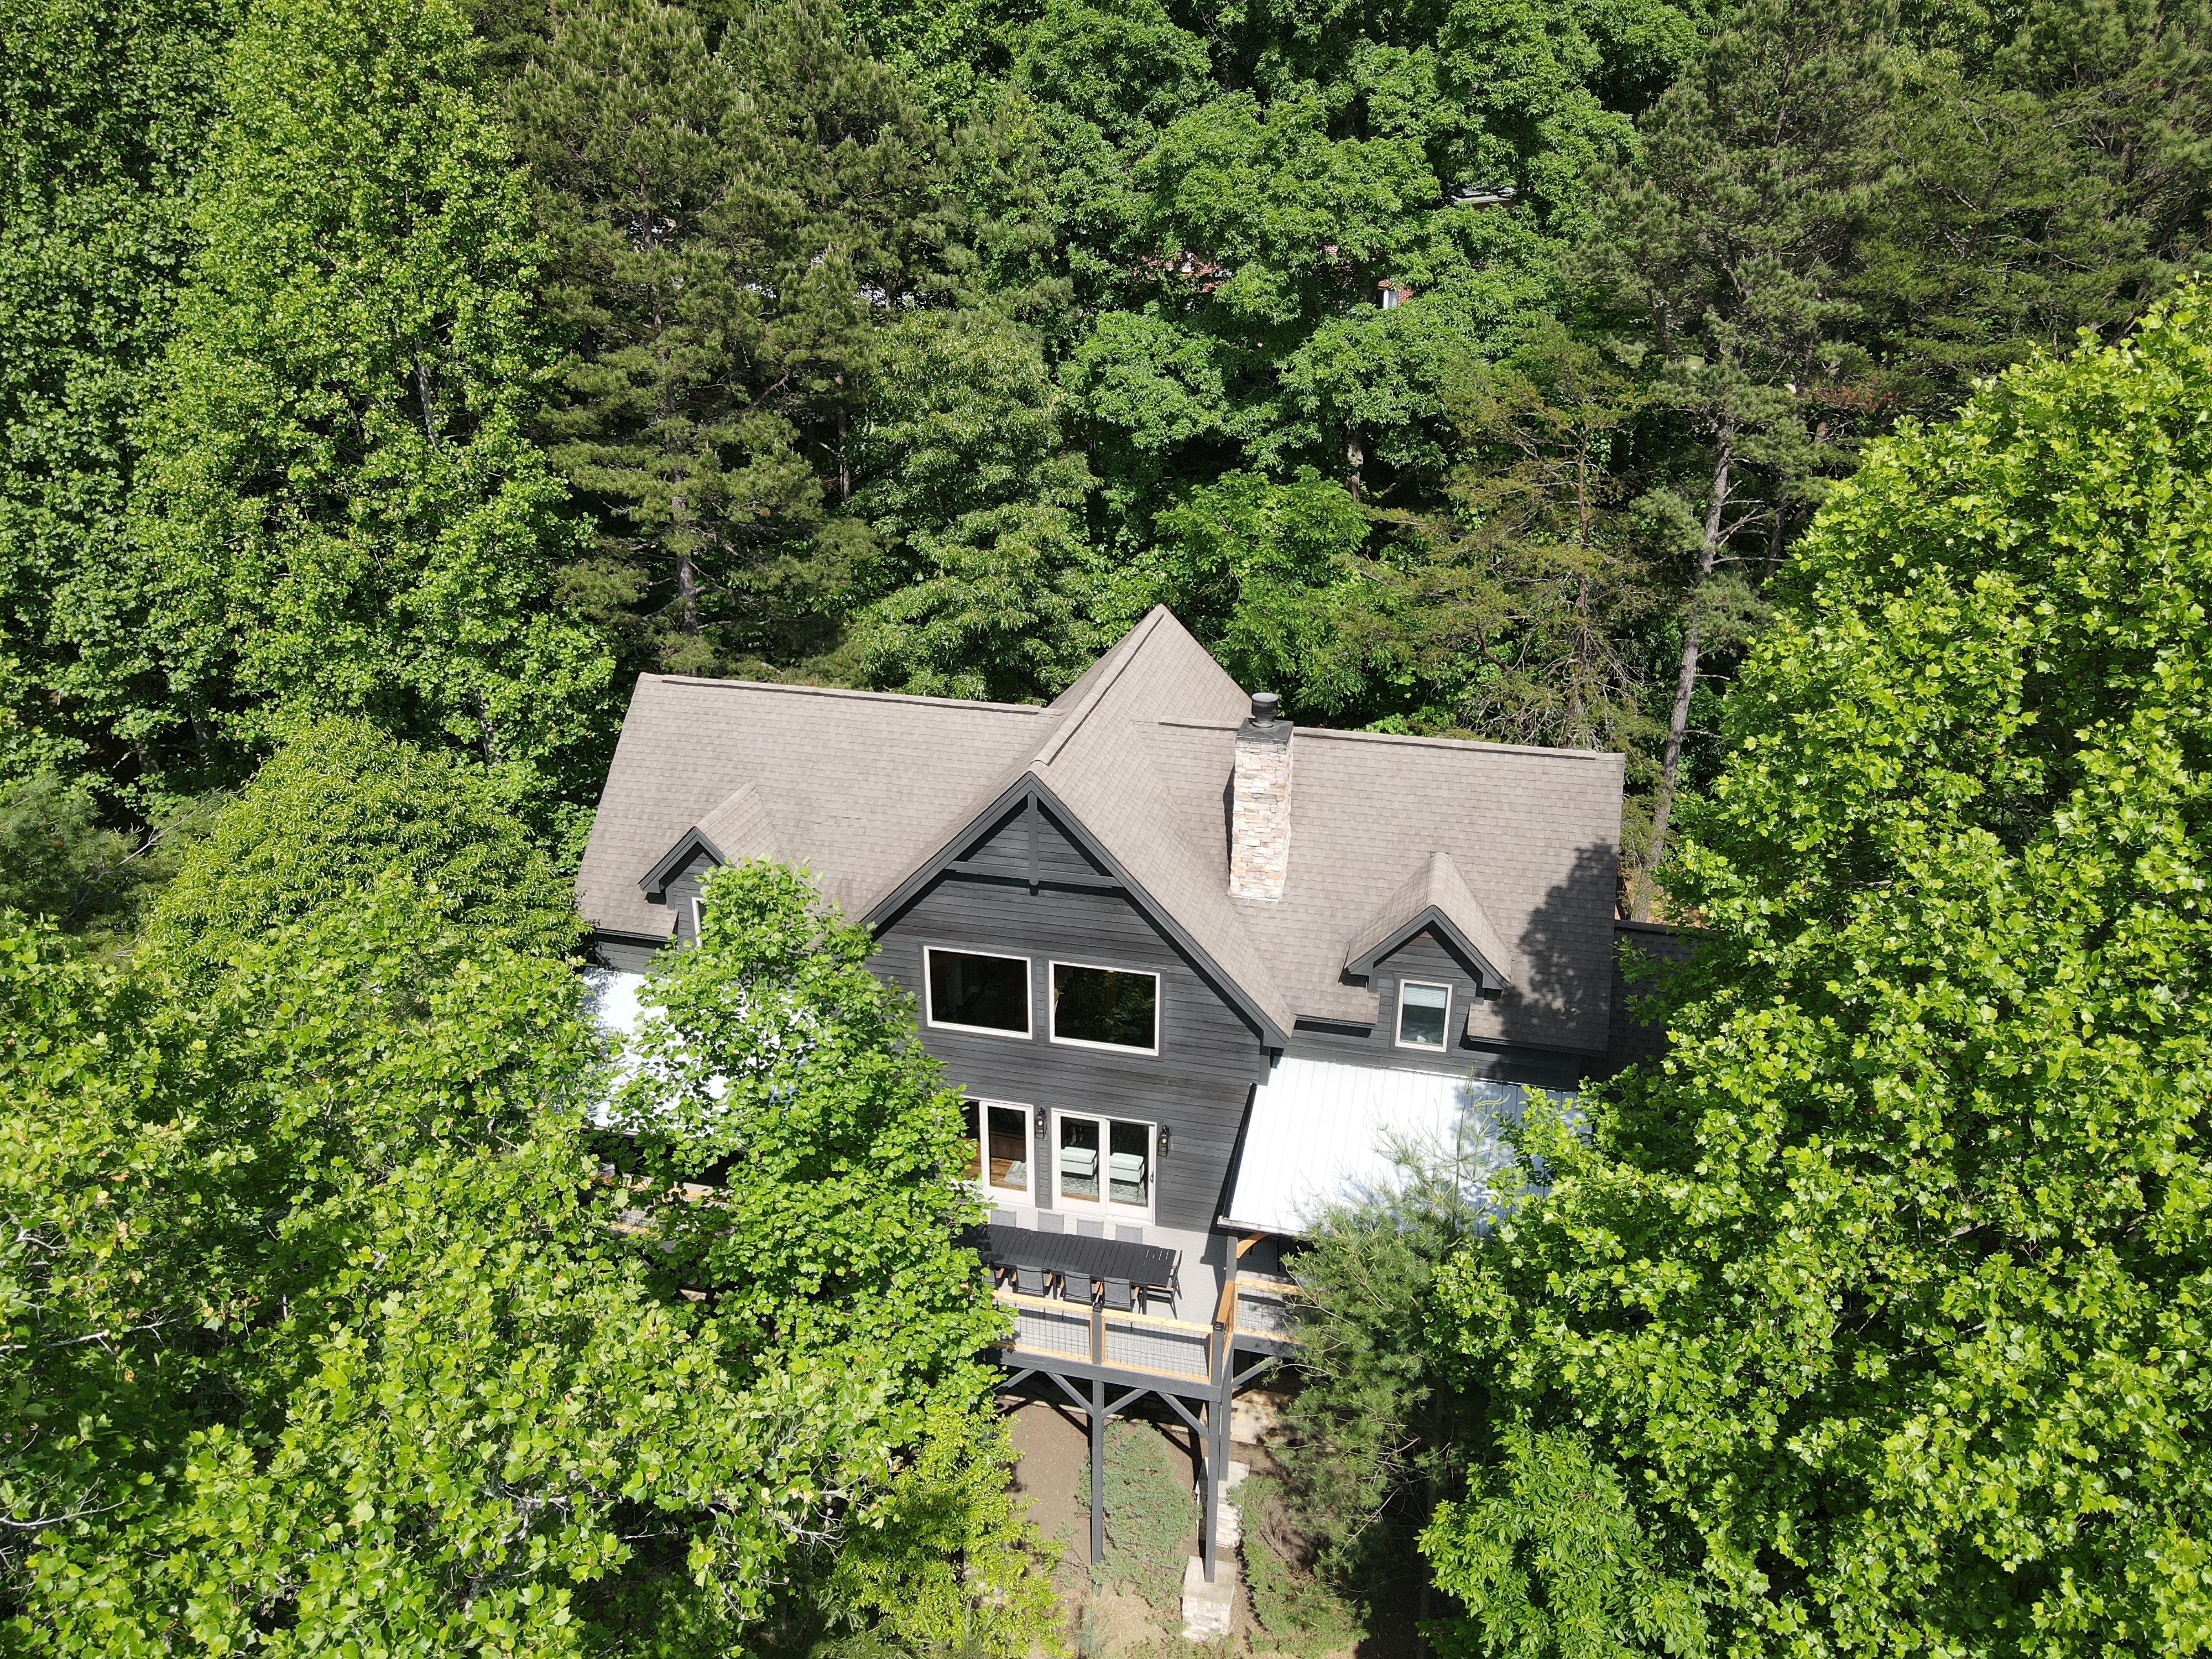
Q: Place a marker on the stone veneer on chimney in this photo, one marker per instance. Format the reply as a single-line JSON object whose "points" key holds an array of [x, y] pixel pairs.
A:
{"points": [[1260, 811]]}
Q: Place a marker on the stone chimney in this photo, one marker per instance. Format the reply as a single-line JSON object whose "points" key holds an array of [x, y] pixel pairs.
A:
{"points": [[1260, 811]]}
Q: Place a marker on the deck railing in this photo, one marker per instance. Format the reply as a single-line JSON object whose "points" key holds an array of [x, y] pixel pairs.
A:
{"points": [[1127, 1341], [1145, 1342], [1262, 1309]]}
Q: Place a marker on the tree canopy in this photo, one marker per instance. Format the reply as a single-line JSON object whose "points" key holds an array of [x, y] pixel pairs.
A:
{"points": [[1879, 1300], [322, 1320], [1805, 401]]}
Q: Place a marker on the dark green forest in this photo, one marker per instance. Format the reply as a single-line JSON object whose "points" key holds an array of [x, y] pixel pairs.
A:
{"points": [[1811, 402], [446, 370]]}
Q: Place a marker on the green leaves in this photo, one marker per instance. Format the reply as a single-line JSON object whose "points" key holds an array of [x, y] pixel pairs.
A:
{"points": [[796, 1154], [1548, 1561], [341, 808], [324, 1330], [345, 514], [1881, 1294], [833, 1229]]}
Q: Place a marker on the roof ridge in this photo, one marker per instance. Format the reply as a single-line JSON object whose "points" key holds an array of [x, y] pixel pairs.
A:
{"points": [[1127, 649], [1411, 740], [846, 692]]}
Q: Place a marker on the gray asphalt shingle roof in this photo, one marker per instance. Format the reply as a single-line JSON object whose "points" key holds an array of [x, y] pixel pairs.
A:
{"points": [[865, 787]]}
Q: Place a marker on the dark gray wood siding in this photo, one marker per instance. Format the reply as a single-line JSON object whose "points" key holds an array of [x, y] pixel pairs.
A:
{"points": [[1426, 958], [682, 890], [624, 953], [1196, 1087], [1653, 943], [1005, 849]]}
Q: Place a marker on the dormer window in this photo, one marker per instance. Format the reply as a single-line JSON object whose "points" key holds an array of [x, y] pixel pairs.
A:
{"points": [[1423, 1014]]}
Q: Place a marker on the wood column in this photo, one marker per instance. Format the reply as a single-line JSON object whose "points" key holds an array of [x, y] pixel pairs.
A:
{"points": [[1097, 1470]]}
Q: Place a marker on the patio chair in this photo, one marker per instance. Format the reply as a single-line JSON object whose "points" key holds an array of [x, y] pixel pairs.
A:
{"points": [[1030, 1281], [1118, 1295]]}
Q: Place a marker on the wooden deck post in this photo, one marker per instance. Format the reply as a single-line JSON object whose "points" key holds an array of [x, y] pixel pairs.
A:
{"points": [[1209, 1522], [1097, 1470]]}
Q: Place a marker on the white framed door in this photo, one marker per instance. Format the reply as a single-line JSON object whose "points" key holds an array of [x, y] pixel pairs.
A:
{"points": [[1105, 1166], [998, 1150]]}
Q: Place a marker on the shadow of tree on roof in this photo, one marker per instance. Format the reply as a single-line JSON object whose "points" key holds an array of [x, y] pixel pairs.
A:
{"points": [[1566, 1001]]}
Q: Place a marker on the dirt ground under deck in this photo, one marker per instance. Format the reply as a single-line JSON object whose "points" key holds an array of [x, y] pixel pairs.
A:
{"points": [[1053, 1442]]}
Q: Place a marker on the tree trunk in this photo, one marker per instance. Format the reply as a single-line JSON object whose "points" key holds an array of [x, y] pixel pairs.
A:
{"points": [[1685, 679], [686, 572], [844, 466], [1355, 460], [423, 393]]}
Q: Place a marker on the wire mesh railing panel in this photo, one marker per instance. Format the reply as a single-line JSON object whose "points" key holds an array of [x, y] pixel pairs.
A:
{"points": [[1148, 1345], [1064, 1331]]}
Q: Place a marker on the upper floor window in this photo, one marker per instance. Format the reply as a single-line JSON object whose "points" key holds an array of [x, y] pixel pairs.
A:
{"points": [[1423, 1015], [979, 992], [1105, 1007]]}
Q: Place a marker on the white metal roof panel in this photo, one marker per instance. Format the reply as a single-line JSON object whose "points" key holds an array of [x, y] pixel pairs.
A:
{"points": [[1322, 1134]]}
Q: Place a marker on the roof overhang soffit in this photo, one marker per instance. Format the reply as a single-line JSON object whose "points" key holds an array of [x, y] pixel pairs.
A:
{"points": [[1032, 791]]}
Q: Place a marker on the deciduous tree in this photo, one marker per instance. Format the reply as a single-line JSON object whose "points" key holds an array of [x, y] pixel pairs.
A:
{"points": [[1882, 1298], [343, 511]]}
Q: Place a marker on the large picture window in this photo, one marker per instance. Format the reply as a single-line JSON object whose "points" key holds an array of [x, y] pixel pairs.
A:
{"points": [[978, 993], [1105, 1007], [1423, 1015], [998, 1147], [1105, 1162]]}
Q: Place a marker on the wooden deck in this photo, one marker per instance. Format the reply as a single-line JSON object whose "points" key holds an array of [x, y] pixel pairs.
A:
{"points": [[1146, 1344]]}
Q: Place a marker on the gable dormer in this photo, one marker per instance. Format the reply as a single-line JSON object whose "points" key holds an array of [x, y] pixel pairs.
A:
{"points": [[740, 828]]}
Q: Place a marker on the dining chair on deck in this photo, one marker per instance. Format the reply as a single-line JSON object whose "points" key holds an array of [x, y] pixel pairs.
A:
{"points": [[1118, 1294], [1030, 1281]]}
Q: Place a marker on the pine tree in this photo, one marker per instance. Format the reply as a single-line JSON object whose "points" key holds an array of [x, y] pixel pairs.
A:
{"points": [[728, 218], [2048, 181], [1725, 247]]}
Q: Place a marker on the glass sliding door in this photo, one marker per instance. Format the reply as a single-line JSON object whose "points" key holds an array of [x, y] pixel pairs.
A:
{"points": [[1078, 1158], [1104, 1164], [1129, 1165]]}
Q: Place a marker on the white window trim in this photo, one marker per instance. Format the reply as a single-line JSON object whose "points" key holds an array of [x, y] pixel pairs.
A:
{"points": [[981, 1183], [1052, 1011], [698, 919], [1029, 993], [1398, 1032], [1102, 1205]]}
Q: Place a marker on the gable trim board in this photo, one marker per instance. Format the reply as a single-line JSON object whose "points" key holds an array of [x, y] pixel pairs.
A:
{"points": [[676, 860], [1034, 793]]}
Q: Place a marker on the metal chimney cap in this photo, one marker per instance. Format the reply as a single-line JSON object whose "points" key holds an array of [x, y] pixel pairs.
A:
{"points": [[1266, 725]]}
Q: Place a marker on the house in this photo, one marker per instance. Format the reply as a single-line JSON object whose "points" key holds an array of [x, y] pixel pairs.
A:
{"points": [[1197, 970]]}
